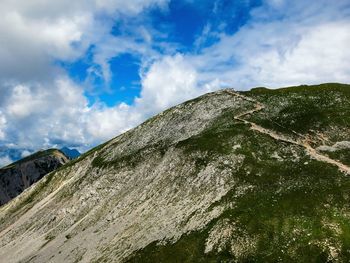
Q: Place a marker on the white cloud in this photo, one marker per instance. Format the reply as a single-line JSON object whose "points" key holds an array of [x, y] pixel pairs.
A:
{"points": [[129, 7], [38, 113], [35, 33], [5, 160], [23, 103], [305, 45], [30, 43], [168, 81], [105, 123], [25, 153], [2, 125]]}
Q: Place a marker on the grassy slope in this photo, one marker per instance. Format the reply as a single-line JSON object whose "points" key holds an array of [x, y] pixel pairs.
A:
{"points": [[304, 108], [298, 209], [324, 108]]}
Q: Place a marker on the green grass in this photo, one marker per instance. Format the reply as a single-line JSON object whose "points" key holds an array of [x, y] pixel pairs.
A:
{"points": [[304, 108], [130, 159], [342, 155]]}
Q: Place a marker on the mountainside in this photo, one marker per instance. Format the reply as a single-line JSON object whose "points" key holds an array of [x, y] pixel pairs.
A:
{"points": [[18, 176], [258, 176]]}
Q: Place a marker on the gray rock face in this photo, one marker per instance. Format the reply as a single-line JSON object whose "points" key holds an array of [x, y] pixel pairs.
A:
{"points": [[15, 178]]}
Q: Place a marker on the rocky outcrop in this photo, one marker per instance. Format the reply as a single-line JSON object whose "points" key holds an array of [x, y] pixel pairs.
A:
{"points": [[16, 177]]}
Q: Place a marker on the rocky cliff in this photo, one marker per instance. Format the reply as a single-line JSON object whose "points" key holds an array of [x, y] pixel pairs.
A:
{"points": [[226, 177], [16, 177]]}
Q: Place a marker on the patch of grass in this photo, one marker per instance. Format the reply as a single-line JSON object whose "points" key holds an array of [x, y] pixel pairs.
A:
{"points": [[189, 248], [216, 139], [130, 159], [341, 155], [304, 107]]}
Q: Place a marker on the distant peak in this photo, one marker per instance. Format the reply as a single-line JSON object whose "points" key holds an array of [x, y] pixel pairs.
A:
{"points": [[71, 153]]}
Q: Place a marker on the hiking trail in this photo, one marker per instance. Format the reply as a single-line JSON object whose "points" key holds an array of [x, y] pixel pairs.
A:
{"points": [[301, 141]]}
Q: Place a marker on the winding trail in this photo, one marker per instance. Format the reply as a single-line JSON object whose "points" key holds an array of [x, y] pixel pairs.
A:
{"points": [[302, 141]]}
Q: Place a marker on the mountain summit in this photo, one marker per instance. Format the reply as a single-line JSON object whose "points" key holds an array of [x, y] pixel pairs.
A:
{"points": [[258, 176], [18, 176]]}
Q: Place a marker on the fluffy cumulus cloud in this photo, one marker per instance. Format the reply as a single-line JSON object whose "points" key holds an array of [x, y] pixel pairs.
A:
{"points": [[39, 114], [31, 38], [168, 81], [106, 122], [41, 105], [33, 33]]}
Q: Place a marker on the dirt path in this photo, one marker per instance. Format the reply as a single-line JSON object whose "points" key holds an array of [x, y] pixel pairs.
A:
{"points": [[300, 141]]}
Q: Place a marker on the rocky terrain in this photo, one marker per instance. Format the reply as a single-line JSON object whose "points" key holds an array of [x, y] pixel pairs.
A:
{"points": [[16, 177], [258, 176]]}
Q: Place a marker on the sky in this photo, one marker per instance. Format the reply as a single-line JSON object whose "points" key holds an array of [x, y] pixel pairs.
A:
{"points": [[77, 73]]}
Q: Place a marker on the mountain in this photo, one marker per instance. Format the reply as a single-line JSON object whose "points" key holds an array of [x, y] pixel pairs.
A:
{"points": [[71, 153], [257, 176], [18, 176]]}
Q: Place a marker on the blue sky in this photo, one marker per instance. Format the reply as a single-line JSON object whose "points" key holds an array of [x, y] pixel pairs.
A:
{"points": [[77, 73], [180, 24]]}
